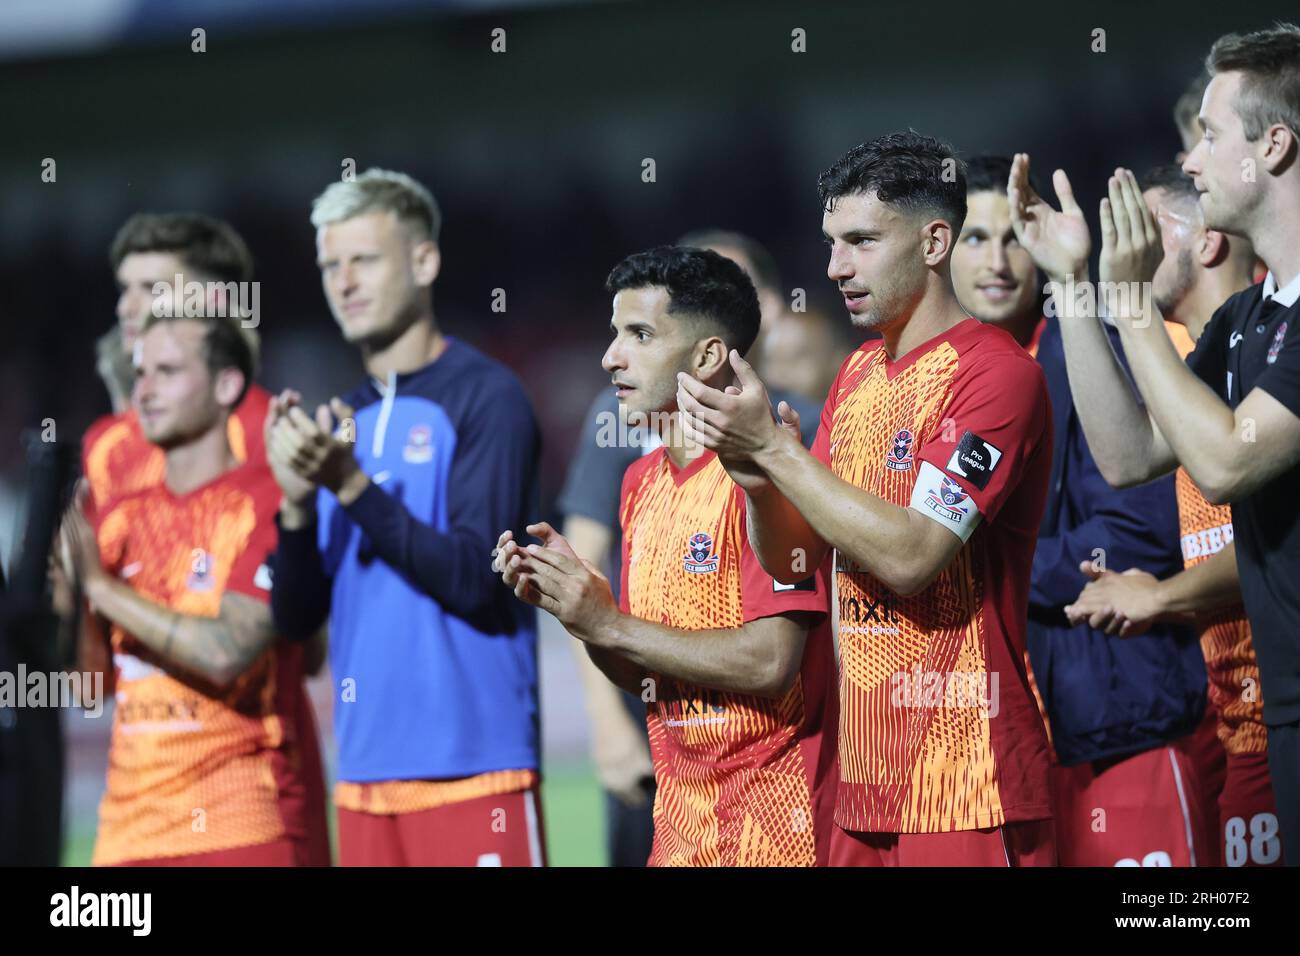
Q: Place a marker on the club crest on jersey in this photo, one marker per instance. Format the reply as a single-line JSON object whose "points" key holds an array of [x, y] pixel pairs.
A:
{"points": [[900, 453], [200, 578], [419, 445], [700, 558], [1276, 347], [947, 500]]}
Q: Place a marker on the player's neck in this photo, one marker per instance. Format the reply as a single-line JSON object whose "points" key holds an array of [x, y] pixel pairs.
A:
{"points": [[1277, 241], [194, 464], [680, 451], [1214, 288], [930, 318], [421, 343]]}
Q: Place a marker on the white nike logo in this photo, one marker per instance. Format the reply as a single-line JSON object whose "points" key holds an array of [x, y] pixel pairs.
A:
{"points": [[1234, 339]]}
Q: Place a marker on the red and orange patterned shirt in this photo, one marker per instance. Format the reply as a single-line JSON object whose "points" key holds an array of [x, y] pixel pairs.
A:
{"points": [[939, 730], [742, 780], [193, 768], [118, 460], [1233, 674], [1234, 688]]}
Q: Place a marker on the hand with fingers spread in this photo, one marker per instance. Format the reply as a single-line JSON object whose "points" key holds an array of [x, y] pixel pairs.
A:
{"points": [[1058, 241], [1131, 248], [735, 422], [1123, 605], [552, 577]]}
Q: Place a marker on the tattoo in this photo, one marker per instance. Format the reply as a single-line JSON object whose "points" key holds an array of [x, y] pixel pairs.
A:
{"points": [[220, 649]]}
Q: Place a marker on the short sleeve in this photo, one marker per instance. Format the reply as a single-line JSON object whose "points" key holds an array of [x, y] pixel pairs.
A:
{"points": [[250, 574], [975, 459], [624, 504], [111, 526], [821, 446], [1281, 377], [96, 478], [761, 595], [1209, 360]]}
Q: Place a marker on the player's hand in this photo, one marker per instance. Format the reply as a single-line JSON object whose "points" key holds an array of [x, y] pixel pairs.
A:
{"points": [[1123, 605], [622, 758], [751, 478], [508, 559], [566, 586], [78, 548], [1058, 242], [1131, 248], [320, 451], [736, 423], [297, 490], [63, 597]]}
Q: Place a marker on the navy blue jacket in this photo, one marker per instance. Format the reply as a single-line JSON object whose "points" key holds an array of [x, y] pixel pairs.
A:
{"points": [[433, 658], [1105, 696]]}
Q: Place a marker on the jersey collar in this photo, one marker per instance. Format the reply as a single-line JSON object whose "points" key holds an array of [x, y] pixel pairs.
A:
{"points": [[681, 475], [1287, 296]]}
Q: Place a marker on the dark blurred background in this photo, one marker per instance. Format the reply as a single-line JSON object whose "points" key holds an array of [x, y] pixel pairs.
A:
{"points": [[535, 154]]}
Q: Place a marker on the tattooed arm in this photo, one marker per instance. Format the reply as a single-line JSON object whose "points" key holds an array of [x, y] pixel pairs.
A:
{"points": [[217, 649]]}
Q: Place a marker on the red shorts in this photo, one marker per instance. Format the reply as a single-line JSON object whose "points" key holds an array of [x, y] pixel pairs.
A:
{"points": [[1144, 810], [315, 819], [1013, 844], [500, 830], [1248, 814], [1210, 760], [281, 852]]}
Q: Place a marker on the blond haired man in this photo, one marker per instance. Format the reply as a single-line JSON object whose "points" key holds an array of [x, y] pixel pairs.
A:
{"points": [[392, 500]]}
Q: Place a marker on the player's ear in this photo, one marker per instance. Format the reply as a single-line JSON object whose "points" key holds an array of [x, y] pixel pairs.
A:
{"points": [[936, 241], [227, 386], [1277, 143], [1211, 248], [426, 261], [711, 357]]}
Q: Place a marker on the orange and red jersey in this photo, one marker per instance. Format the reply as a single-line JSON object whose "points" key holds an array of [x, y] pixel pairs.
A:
{"points": [[118, 460], [939, 730], [1032, 348], [1234, 688], [742, 780], [193, 768]]}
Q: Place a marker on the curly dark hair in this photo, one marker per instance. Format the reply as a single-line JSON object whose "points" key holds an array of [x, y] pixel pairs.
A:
{"points": [[701, 284], [907, 170]]}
